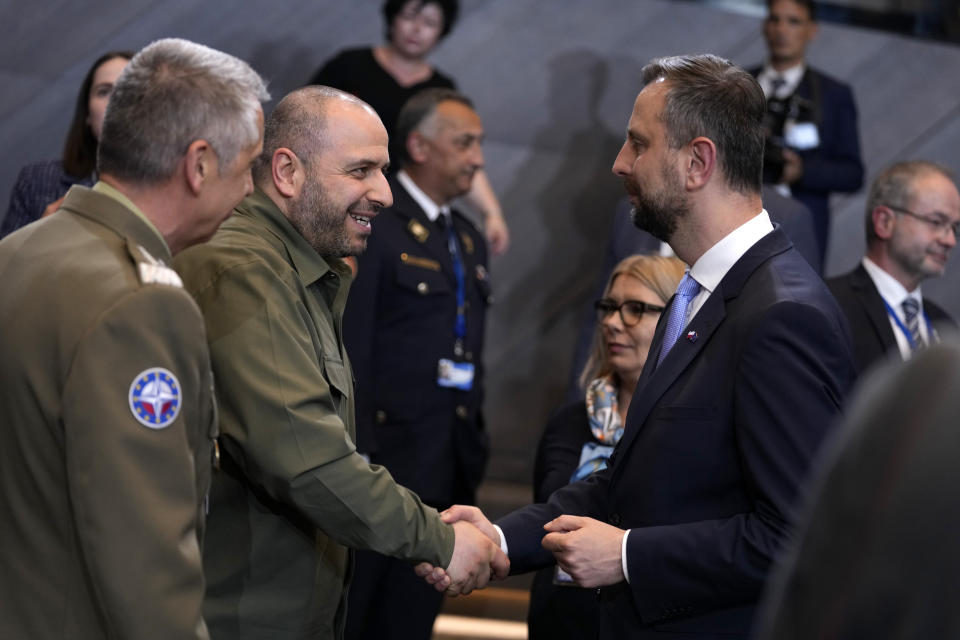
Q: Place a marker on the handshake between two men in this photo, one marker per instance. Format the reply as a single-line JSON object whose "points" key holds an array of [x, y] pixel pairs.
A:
{"points": [[587, 549]]}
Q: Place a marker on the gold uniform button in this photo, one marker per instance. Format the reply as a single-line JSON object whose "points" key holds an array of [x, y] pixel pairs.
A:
{"points": [[423, 288], [461, 412], [380, 417]]}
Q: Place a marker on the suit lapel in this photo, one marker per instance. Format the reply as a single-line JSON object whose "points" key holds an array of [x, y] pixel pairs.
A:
{"points": [[655, 382], [873, 304]]}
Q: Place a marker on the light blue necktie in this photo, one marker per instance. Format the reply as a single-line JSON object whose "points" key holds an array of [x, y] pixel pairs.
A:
{"points": [[687, 291]]}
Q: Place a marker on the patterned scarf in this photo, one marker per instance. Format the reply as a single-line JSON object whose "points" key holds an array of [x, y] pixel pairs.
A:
{"points": [[605, 424]]}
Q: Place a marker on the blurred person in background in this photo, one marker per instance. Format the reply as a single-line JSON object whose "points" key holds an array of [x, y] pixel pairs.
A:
{"points": [[388, 75], [40, 187]]}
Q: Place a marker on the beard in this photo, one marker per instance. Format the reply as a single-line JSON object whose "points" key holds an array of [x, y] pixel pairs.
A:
{"points": [[659, 212], [323, 224]]}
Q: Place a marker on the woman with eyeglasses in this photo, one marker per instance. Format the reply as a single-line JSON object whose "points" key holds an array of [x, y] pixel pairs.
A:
{"points": [[580, 436]]}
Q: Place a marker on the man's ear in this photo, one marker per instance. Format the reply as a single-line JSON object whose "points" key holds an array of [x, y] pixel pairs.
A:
{"points": [[287, 172], [200, 164], [701, 162], [417, 147], [884, 221]]}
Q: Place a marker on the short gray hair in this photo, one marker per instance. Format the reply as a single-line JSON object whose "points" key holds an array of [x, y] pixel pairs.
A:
{"points": [[894, 188], [415, 112], [172, 93]]}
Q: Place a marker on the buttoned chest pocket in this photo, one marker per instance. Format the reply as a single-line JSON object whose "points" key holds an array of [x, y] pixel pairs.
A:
{"points": [[422, 282]]}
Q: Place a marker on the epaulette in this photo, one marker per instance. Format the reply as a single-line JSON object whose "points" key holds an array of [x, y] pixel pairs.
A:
{"points": [[152, 271]]}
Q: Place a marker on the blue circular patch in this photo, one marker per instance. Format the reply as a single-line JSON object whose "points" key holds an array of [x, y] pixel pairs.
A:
{"points": [[155, 398]]}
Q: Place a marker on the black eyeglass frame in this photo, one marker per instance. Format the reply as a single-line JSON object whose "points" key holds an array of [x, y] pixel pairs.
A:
{"points": [[939, 225], [606, 306]]}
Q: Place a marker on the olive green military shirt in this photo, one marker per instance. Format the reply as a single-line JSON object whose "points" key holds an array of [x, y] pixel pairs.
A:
{"points": [[106, 430], [293, 493]]}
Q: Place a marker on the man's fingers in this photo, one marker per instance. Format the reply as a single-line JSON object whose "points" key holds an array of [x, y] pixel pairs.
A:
{"points": [[565, 523], [459, 512], [553, 542], [500, 565]]}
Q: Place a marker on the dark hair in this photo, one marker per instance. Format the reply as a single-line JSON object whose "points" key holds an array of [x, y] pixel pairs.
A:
{"points": [[712, 97], [809, 5], [417, 109], [80, 147], [894, 188], [449, 8]]}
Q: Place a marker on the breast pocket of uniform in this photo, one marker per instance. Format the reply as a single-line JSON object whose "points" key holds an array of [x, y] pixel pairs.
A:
{"points": [[422, 281], [481, 278]]}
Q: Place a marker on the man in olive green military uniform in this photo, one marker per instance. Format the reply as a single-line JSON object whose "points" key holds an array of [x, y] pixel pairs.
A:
{"points": [[107, 415], [292, 493]]}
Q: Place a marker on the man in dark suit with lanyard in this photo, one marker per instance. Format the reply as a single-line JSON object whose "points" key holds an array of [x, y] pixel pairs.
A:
{"points": [[813, 147], [414, 327], [748, 369], [913, 213]]}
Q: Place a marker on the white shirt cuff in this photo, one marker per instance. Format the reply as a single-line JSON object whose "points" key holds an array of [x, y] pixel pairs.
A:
{"points": [[503, 541], [623, 555]]}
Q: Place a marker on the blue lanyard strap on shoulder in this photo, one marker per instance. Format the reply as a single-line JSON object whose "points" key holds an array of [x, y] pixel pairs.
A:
{"points": [[903, 328]]}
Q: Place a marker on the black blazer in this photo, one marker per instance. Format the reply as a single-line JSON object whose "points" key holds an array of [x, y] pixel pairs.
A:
{"points": [[861, 303], [718, 440], [398, 324]]}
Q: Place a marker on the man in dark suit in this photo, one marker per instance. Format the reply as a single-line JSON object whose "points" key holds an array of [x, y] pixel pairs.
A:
{"points": [[752, 364], [414, 327], [913, 212], [877, 555], [813, 147]]}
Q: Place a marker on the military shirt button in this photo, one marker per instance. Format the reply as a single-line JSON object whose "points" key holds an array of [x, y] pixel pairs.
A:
{"points": [[461, 412], [381, 417], [615, 519], [423, 288]]}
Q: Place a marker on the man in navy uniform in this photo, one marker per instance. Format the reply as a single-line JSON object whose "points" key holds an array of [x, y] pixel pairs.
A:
{"points": [[414, 327]]}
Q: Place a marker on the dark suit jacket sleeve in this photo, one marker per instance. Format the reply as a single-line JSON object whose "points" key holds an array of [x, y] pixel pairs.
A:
{"points": [[791, 375], [835, 165], [523, 528]]}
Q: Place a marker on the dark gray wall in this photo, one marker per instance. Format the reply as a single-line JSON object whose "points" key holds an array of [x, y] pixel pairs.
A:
{"points": [[554, 81]]}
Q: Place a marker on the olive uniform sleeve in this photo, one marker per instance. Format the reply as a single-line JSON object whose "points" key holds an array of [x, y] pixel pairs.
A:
{"points": [[136, 491], [285, 399]]}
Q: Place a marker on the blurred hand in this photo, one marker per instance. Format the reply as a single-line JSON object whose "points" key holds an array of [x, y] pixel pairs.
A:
{"points": [[498, 235], [53, 206], [587, 549], [473, 515], [792, 167]]}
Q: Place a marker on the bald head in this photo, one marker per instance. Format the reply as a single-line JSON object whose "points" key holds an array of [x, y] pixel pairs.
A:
{"points": [[299, 123]]}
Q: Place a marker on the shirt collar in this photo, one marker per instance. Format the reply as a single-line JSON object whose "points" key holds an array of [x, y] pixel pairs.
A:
{"points": [[713, 265], [791, 78], [431, 208], [112, 192], [309, 264], [888, 287]]}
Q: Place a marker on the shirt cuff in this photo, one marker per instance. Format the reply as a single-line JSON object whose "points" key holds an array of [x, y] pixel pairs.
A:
{"points": [[623, 555], [503, 540]]}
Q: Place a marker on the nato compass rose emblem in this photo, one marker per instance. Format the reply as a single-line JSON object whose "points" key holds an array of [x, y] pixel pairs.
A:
{"points": [[155, 398]]}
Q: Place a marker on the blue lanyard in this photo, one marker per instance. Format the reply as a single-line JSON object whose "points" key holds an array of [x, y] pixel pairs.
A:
{"points": [[903, 327], [460, 324]]}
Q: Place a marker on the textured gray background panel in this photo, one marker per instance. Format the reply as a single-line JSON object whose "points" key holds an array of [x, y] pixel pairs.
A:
{"points": [[554, 81]]}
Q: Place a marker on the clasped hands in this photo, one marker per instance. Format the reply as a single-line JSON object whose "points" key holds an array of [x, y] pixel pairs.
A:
{"points": [[587, 549]]}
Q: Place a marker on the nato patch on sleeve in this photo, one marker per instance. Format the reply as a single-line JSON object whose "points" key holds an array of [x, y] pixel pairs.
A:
{"points": [[155, 398]]}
